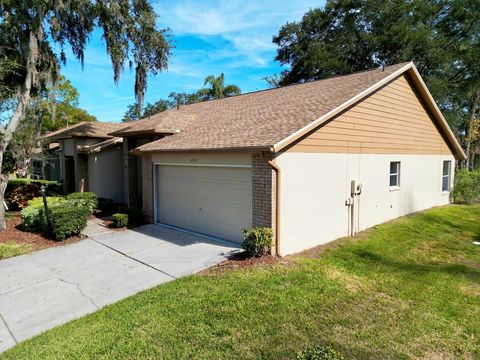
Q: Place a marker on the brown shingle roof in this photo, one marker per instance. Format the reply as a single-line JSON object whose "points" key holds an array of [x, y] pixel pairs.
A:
{"points": [[254, 120], [92, 129], [273, 119]]}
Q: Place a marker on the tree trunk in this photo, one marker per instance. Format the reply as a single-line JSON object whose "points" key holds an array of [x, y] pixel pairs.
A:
{"points": [[470, 125], [23, 98], [3, 186]]}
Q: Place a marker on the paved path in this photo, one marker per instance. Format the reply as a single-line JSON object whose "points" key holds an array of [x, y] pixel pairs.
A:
{"points": [[96, 228], [50, 287]]}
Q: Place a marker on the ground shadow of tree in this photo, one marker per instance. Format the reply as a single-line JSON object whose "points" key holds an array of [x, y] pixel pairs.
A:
{"points": [[391, 265]]}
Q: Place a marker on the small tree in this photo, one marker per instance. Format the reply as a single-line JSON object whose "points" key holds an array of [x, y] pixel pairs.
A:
{"points": [[30, 31]]}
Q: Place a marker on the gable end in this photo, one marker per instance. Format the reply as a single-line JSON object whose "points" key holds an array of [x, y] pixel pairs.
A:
{"points": [[391, 120]]}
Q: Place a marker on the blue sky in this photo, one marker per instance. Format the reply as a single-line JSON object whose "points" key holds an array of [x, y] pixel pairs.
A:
{"points": [[210, 37]]}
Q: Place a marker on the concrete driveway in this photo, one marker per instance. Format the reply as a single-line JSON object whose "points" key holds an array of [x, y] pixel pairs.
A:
{"points": [[53, 286]]}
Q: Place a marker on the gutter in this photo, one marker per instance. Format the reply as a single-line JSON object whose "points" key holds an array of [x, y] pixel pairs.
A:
{"points": [[277, 171]]}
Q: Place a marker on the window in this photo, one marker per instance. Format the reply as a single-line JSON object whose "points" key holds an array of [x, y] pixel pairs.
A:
{"points": [[447, 165], [395, 174]]}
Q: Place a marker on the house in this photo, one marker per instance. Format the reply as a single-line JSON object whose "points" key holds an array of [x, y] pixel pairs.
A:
{"points": [[89, 159], [314, 161]]}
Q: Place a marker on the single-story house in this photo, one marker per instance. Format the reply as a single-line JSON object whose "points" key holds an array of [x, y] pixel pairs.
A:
{"points": [[314, 161], [89, 159]]}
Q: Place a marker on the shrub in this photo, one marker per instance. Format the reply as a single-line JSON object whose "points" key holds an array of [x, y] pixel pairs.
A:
{"points": [[257, 240], [89, 199], [68, 218], [467, 187], [120, 220], [18, 197], [33, 216], [320, 353], [135, 215], [20, 191]]}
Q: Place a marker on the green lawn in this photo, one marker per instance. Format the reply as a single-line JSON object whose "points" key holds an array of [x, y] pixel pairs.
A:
{"points": [[10, 249], [407, 289]]}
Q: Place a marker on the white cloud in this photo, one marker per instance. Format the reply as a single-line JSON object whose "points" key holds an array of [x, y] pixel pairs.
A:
{"points": [[213, 36], [247, 25]]}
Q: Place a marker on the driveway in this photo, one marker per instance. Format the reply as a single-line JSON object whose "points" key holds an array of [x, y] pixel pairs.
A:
{"points": [[53, 286]]}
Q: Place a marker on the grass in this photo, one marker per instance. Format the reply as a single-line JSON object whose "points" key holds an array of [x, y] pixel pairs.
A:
{"points": [[10, 249], [406, 289]]}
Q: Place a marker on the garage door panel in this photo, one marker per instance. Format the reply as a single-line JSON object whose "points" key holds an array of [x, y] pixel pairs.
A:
{"points": [[213, 200]]}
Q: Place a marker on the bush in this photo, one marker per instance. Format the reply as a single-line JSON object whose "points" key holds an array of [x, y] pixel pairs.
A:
{"points": [[257, 241], [120, 220], [467, 187], [20, 191], [88, 199], [135, 215], [320, 353], [18, 197], [68, 218], [33, 216]]}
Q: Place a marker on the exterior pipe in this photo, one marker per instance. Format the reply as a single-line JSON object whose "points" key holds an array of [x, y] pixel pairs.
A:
{"points": [[277, 205]]}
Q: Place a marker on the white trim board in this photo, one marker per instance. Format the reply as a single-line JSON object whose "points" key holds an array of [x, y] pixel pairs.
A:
{"points": [[203, 165]]}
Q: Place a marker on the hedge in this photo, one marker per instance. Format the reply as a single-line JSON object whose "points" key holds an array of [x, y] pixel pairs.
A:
{"points": [[68, 214], [89, 199], [33, 216], [68, 219], [466, 189]]}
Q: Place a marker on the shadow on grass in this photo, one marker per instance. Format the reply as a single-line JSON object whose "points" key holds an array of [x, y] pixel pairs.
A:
{"points": [[437, 220], [390, 265]]}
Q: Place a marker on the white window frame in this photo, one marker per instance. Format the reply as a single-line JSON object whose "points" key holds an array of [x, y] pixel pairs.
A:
{"points": [[397, 174], [448, 175]]}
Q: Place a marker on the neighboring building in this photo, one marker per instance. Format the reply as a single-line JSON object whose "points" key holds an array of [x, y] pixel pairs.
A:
{"points": [[90, 159], [46, 164], [314, 161]]}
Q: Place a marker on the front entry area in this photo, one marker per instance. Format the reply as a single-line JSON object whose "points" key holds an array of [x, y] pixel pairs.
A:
{"points": [[214, 200]]}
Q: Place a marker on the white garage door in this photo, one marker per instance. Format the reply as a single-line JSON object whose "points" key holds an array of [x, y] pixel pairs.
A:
{"points": [[212, 200]]}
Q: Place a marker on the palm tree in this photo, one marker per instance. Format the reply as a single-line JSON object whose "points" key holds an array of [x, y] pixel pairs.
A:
{"points": [[217, 89]]}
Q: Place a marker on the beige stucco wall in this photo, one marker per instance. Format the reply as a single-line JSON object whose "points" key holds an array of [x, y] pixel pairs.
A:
{"points": [[314, 187], [105, 173], [67, 147], [68, 144]]}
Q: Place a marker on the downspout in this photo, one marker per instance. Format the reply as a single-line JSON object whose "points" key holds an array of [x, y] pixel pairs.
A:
{"points": [[276, 169]]}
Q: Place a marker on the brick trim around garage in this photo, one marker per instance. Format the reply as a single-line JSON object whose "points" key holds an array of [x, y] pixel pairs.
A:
{"points": [[147, 188], [263, 191]]}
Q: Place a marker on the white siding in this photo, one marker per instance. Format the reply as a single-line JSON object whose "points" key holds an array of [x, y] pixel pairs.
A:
{"points": [[314, 187]]}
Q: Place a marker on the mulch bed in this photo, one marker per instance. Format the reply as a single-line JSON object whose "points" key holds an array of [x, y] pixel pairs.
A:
{"points": [[241, 260], [37, 241]]}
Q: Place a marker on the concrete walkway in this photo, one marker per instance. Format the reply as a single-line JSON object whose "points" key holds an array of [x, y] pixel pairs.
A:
{"points": [[50, 287], [96, 228]]}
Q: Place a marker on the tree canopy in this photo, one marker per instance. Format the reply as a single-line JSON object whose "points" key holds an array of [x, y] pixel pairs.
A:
{"points": [[440, 36], [34, 36], [217, 90]]}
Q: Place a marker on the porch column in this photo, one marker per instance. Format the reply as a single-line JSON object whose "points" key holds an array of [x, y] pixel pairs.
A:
{"points": [[80, 172], [63, 173], [126, 172]]}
